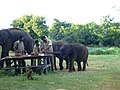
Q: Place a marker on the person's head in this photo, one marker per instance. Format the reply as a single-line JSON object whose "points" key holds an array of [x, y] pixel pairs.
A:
{"points": [[21, 38], [37, 42], [43, 38]]}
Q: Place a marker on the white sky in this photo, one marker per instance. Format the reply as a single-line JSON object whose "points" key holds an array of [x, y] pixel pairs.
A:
{"points": [[74, 11]]}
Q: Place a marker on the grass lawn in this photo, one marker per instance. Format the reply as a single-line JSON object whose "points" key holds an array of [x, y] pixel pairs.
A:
{"points": [[103, 73]]}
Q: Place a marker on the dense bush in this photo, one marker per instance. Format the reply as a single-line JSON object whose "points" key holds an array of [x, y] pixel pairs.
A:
{"points": [[91, 34], [104, 50]]}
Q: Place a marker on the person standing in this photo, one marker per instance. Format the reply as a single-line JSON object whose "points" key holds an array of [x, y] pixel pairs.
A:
{"points": [[19, 50], [46, 47], [19, 46], [36, 51], [37, 48]]}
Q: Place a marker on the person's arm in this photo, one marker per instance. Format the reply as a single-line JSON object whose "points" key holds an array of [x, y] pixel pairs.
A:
{"points": [[49, 45], [15, 46], [47, 48], [34, 48]]}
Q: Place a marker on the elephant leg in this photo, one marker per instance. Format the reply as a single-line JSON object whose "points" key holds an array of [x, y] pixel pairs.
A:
{"points": [[79, 66], [8, 63], [84, 65], [23, 65], [55, 63], [15, 65], [4, 54], [66, 63], [61, 64], [1, 64], [19, 65], [71, 66]]}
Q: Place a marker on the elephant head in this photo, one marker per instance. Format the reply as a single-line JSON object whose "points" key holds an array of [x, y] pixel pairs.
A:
{"points": [[65, 51], [3, 37], [56, 48], [9, 36]]}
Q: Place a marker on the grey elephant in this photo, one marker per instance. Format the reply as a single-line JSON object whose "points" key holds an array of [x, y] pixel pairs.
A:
{"points": [[7, 39], [75, 52], [56, 47]]}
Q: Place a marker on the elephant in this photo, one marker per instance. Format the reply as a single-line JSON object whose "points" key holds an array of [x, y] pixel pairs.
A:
{"points": [[56, 47], [8, 38], [74, 52]]}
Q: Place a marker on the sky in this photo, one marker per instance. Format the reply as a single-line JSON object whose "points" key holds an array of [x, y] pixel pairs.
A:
{"points": [[73, 11]]}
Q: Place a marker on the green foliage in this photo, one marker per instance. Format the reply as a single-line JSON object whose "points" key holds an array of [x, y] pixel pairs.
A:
{"points": [[111, 34], [104, 50], [58, 29], [90, 34], [71, 34], [35, 25]]}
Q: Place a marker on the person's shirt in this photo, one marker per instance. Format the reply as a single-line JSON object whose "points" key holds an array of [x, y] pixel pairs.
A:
{"points": [[45, 46], [37, 49], [19, 46]]}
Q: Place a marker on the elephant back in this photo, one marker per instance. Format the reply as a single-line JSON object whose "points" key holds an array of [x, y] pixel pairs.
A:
{"points": [[57, 45], [80, 51]]}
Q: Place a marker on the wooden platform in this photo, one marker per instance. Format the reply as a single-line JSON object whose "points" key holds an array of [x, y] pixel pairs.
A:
{"points": [[37, 62]]}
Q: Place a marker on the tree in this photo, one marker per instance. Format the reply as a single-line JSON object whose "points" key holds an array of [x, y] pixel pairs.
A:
{"points": [[111, 31], [35, 25], [90, 34], [58, 29]]}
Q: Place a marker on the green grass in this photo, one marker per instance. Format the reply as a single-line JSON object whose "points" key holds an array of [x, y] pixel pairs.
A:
{"points": [[103, 73], [104, 50]]}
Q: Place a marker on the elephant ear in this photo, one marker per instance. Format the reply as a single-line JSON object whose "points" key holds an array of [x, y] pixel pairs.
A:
{"points": [[71, 52], [70, 49], [5, 38]]}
